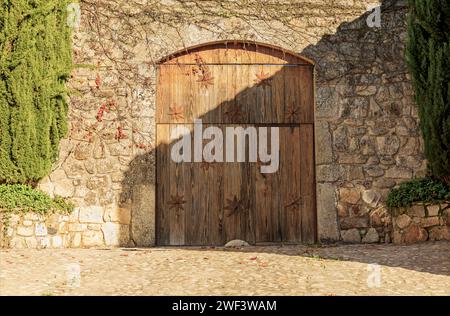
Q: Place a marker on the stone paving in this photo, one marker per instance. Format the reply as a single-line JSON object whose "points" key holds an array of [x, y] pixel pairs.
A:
{"points": [[422, 269]]}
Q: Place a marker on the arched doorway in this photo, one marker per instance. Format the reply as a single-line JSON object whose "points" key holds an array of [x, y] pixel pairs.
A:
{"points": [[256, 87]]}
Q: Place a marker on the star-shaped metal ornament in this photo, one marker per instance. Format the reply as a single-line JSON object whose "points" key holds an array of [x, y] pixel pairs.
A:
{"points": [[234, 113], [233, 206], [176, 113], [263, 79], [176, 202], [292, 113], [295, 203], [206, 80]]}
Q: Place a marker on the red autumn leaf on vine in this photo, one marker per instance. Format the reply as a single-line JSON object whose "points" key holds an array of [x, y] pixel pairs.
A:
{"points": [[98, 81], [253, 258], [89, 136], [141, 146], [120, 133], [101, 111], [112, 105]]}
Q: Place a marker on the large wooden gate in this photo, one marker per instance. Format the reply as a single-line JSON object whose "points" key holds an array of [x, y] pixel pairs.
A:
{"points": [[236, 84]]}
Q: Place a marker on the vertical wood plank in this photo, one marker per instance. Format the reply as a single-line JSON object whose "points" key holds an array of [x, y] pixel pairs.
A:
{"points": [[290, 183], [267, 204], [306, 78]]}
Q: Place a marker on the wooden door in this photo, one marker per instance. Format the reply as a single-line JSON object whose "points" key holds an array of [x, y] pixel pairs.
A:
{"points": [[201, 203]]}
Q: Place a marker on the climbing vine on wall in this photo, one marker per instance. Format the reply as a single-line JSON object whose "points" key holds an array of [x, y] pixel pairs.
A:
{"points": [[35, 63]]}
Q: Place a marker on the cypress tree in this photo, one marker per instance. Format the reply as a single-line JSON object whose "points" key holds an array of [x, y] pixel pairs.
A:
{"points": [[35, 64], [428, 59]]}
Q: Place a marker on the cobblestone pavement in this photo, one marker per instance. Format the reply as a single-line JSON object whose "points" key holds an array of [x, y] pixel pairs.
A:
{"points": [[290, 270]]}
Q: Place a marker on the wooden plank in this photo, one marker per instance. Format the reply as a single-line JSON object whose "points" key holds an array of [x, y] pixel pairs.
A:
{"points": [[292, 86], [204, 219], [238, 218], [163, 92], [306, 80], [308, 186], [229, 109], [275, 113], [209, 100], [179, 196], [214, 187], [267, 205], [232, 183], [289, 185]]}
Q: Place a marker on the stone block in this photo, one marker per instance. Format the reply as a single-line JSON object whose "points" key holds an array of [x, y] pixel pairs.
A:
{"points": [[25, 231], [433, 210], [330, 173], [416, 211], [403, 221], [41, 229], [399, 173], [440, 233], [64, 188], [76, 240], [43, 242], [323, 140], [91, 214], [351, 236], [388, 145], [371, 236], [77, 227], [326, 102], [17, 243], [371, 197], [349, 195], [92, 238], [326, 212], [415, 234], [57, 242], [429, 221], [383, 183], [31, 242], [117, 214], [355, 222], [115, 234], [143, 214]]}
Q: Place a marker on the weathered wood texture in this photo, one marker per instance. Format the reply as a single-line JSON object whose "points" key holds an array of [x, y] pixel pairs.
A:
{"points": [[201, 203]]}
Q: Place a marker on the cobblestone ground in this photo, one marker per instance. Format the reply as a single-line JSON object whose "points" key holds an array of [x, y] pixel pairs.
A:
{"points": [[290, 270]]}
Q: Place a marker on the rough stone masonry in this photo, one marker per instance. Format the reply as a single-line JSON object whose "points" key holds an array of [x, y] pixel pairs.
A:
{"points": [[365, 117]]}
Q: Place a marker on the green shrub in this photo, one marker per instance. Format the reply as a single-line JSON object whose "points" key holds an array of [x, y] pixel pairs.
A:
{"points": [[23, 198], [35, 64], [418, 190], [428, 59]]}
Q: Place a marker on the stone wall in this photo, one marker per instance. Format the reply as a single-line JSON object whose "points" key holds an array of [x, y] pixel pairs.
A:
{"points": [[422, 222], [366, 124], [81, 229]]}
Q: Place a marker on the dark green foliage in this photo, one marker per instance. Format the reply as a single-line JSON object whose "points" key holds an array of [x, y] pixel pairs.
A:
{"points": [[35, 63], [428, 59], [23, 198], [418, 190]]}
